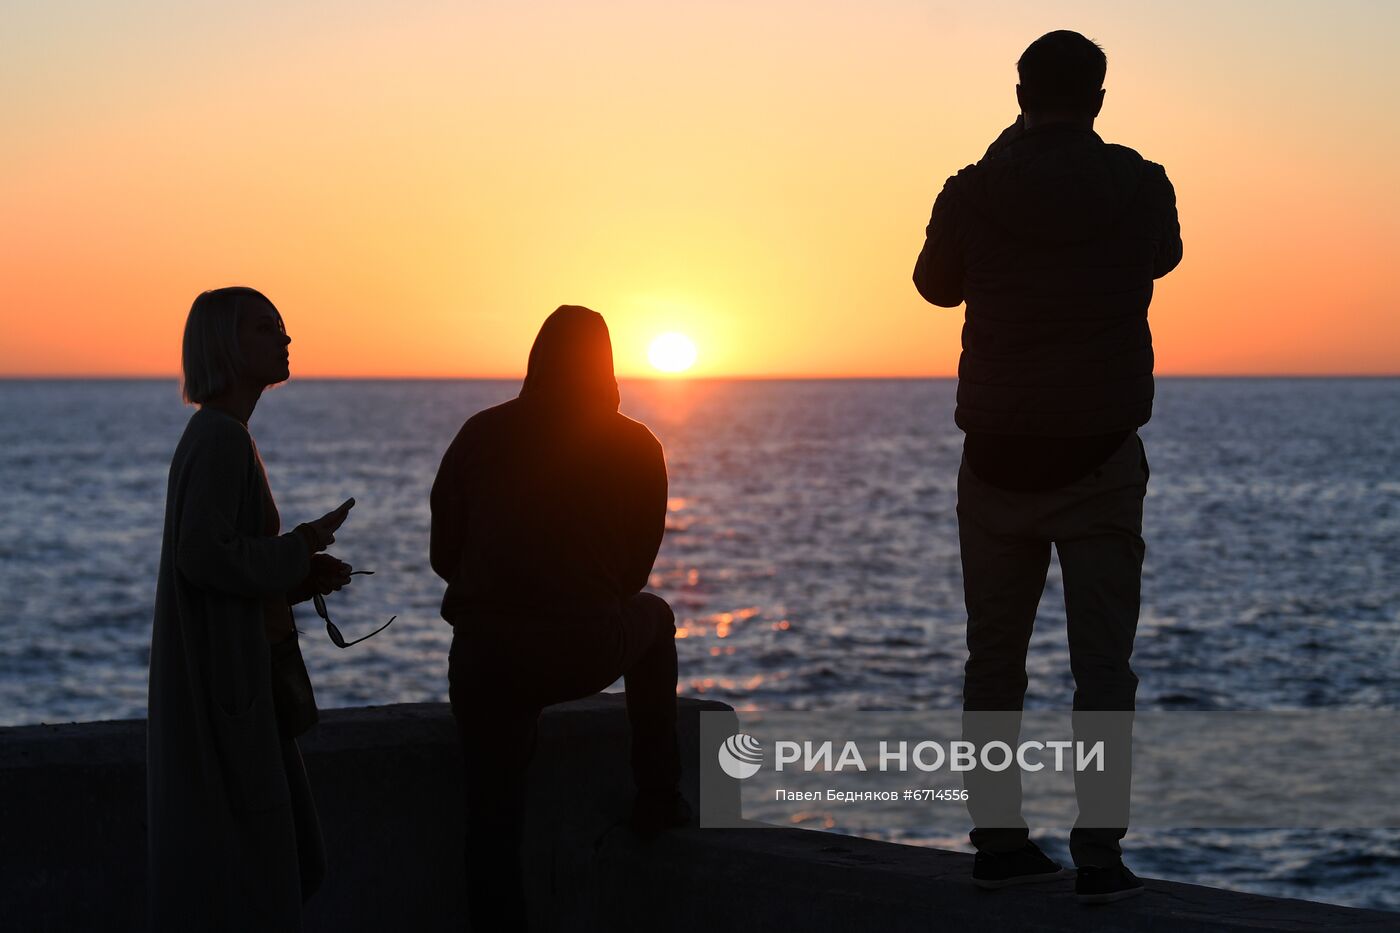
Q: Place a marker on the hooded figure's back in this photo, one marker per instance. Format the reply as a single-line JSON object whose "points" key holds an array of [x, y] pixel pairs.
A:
{"points": [[552, 504]]}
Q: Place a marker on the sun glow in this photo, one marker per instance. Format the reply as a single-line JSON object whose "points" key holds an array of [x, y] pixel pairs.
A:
{"points": [[672, 353]]}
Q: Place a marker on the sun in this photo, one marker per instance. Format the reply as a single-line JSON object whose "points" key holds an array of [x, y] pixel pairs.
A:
{"points": [[672, 353]]}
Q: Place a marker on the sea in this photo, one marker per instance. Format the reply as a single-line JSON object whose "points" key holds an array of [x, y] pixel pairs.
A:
{"points": [[811, 555]]}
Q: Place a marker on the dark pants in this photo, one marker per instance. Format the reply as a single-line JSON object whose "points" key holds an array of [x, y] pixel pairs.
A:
{"points": [[1095, 525], [502, 672]]}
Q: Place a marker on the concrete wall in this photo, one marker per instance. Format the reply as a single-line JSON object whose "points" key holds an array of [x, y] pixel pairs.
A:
{"points": [[386, 782]]}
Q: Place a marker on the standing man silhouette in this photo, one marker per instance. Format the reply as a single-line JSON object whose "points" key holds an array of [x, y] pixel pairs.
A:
{"points": [[1053, 240]]}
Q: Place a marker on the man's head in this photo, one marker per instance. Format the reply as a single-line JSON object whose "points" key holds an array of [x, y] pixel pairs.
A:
{"points": [[1061, 76]]}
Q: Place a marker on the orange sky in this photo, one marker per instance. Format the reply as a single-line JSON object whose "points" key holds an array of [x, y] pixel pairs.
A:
{"points": [[417, 187]]}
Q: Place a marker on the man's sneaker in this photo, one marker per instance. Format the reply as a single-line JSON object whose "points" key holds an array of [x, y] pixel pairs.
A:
{"points": [[1095, 885], [654, 812], [1026, 865]]}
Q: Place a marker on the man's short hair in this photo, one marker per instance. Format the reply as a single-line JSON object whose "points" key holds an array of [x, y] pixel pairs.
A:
{"points": [[210, 358], [1061, 70]]}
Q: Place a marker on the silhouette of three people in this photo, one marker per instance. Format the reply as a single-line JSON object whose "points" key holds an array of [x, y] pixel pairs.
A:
{"points": [[548, 511]]}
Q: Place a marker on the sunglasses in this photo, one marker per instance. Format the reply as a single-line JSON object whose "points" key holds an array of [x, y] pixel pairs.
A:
{"points": [[338, 639]]}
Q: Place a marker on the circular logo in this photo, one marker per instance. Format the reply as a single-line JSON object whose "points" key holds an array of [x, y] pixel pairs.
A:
{"points": [[741, 756]]}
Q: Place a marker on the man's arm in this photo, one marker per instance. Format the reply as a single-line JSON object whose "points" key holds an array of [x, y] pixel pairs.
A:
{"points": [[648, 512], [1169, 245], [448, 528], [938, 274]]}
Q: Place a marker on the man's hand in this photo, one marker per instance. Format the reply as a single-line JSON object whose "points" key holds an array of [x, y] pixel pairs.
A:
{"points": [[327, 574], [1007, 137]]}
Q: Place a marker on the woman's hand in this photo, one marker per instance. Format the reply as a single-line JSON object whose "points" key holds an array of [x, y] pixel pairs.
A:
{"points": [[327, 574], [320, 534]]}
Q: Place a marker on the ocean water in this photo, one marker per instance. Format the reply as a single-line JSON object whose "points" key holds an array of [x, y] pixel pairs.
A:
{"points": [[811, 556]]}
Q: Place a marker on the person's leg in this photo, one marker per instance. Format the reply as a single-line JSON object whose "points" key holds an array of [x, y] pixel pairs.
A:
{"points": [[498, 741], [635, 641], [1004, 573], [1099, 541], [649, 668]]}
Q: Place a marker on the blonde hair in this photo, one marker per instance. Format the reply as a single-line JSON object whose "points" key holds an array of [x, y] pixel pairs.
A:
{"points": [[210, 358]]}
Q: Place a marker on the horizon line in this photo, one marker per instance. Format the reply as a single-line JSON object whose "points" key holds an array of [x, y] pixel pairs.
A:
{"points": [[744, 377]]}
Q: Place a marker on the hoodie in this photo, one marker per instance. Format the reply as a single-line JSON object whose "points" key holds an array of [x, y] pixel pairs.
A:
{"points": [[1053, 240], [552, 504]]}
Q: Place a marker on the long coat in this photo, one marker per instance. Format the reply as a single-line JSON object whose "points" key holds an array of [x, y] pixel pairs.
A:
{"points": [[224, 792]]}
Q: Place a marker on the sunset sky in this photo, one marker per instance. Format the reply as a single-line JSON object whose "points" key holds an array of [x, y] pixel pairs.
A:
{"points": [[417, 186]]}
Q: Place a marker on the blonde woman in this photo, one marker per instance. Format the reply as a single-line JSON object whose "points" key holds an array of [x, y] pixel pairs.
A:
{"points": [[233, 838]]}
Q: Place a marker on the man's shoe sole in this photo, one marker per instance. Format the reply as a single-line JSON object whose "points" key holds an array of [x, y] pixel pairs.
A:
{"points": [[987, 884], [1109, 896]]}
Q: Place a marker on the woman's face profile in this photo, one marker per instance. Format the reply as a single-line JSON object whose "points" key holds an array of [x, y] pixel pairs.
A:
{"points": [[262, 342]]}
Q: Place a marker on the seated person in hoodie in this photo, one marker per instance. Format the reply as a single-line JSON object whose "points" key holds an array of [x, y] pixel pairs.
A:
{"points": [[547, 513], [1054, 240]]}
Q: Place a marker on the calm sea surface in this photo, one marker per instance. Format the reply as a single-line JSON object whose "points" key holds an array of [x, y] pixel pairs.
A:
{"points": [[811, 556]]}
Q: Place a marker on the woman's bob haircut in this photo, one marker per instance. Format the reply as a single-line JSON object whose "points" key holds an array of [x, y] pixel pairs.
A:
{"points": [[210, 358]]}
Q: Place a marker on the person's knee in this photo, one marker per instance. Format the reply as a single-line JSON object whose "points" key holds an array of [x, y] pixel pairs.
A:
{"points": [[990, 667], [1102, 669], [656, 608]]}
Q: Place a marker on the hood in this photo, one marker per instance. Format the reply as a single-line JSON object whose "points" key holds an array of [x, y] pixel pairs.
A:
{"points": [[571, 363], [1055, 184]]}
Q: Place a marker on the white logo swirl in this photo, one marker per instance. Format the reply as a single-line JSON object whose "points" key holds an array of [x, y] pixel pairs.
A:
{"points": [[741, 756]]}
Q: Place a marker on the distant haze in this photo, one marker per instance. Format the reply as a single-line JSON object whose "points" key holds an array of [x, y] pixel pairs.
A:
{"points": [[417, 186]]}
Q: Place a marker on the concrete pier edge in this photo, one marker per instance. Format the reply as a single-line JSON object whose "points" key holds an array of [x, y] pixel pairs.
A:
{"points": [[387, 784]]}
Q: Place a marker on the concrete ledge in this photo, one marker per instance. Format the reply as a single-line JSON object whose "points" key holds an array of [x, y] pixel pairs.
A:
{"points": [[387, 779], [779, 879]]}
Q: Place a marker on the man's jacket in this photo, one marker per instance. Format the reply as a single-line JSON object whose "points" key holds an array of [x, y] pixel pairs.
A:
{"points": [[1053, 240]]}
